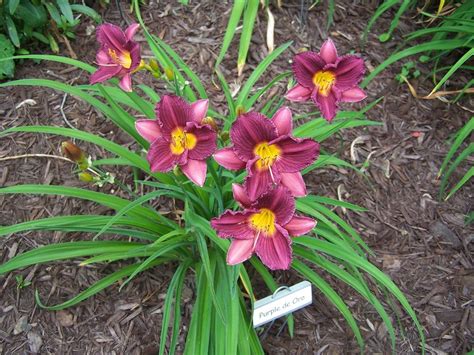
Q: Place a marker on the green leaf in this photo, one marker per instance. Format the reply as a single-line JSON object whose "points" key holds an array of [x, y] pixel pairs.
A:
{"points": [[12, 32], [134, 159], [12, 5], [62, 251], [66, 10], [461, 182], [356, 261], [250, 14], [7, 65], [332, 296], [462, 134], [257, 73], [424, 47], [454, 68], [86, 10], [232, 24], [173, 295], [34, 16], [97, 287]]}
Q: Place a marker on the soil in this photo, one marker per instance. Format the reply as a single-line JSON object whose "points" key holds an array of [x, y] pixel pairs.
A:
{"points": [[421, 242]]}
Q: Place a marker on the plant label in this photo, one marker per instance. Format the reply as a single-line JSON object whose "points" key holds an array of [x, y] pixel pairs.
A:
{"points": [[282, 302]]}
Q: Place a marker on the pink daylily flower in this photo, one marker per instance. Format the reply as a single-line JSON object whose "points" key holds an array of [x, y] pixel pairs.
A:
{"points": [[118, 56], [269, 152], [263, 227], [178, 137], [327, 79]]}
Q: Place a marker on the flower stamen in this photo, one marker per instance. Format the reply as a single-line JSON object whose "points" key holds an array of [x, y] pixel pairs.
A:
{"points": [[267, 153], [124, 58], [324, 80], [263, 222], [180, 141]]}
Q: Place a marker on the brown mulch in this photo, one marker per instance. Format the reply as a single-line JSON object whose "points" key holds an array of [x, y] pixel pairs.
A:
{"points": [[420, 242]]}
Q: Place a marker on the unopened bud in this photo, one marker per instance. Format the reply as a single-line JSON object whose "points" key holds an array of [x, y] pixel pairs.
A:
{"points": [[239, 110], [72, 151], [176, 170], [224, 136], [302, 49], [169, 73], [85, 177], [154, 65], [210, 121]]}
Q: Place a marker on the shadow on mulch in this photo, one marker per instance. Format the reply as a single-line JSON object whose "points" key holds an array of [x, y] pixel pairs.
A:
{"points": [[420, 242]]}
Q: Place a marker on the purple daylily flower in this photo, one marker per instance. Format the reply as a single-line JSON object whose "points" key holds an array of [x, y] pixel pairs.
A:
{"points": [[269, 152], [263, 227], [118, 56], [178, 137], [327, 79]]}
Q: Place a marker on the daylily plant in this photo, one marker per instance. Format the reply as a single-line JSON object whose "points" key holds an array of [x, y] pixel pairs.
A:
{"points": [[269, 152], [264, 227], [327, 79], [118, 56], [179, 137]]}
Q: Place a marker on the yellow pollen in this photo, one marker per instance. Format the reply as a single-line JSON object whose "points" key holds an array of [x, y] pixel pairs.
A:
{"points": [[263, 222], [180, 141], [124, 58], [267, 154], [324, 80]]}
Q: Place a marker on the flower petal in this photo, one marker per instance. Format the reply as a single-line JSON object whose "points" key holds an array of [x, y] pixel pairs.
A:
{"points": [[328, 51], [240, 195], [259, 181], [148, 129], [305, 65], [195, 170], [228, 159], [296, 153], [280, 202], [283, 121], [131, 30], [275, 252], [349, 71], [205, 141], [353, 95], [199, 110], [249, 130], [295, 183], [126, 83], [111, 36], [299, 225], [135, 55], [102, 58], [172, 112], [104, 73], [160, 157], [328, 105], [299, 93], [233, 224], [240, 250]]}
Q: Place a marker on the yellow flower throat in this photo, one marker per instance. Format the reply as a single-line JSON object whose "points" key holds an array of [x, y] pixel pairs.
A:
{"points": [[123, 58], [267, 154], [263, 222], [324, 80], [180, 141]]}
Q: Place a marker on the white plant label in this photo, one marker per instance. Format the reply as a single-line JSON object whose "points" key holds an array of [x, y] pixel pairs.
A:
{"points": [[282, 303]]}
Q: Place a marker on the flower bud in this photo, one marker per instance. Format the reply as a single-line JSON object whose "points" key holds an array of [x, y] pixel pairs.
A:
{"points": [[169, 73], [224, 136], [210, 121], [154, 65], [72, 151], [176, 170], [85, 177], [239, 110]]}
